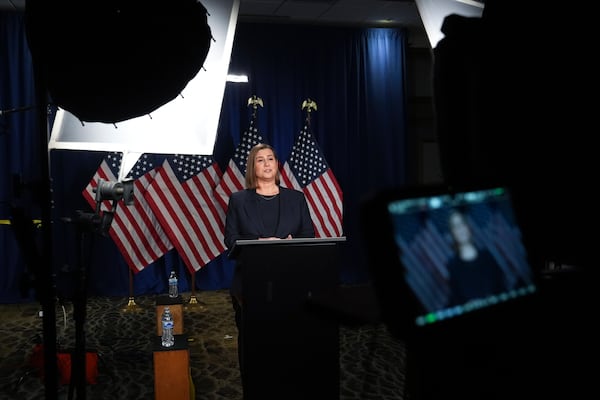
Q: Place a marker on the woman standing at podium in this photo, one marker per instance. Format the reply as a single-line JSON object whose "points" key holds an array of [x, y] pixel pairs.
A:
{"points": [[263, 210]]}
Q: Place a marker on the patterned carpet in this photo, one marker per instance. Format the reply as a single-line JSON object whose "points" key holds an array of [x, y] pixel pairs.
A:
{"points": [[372, 362]]}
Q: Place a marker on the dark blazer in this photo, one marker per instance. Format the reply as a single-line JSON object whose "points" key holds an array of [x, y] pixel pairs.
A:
{"points": [[243, 219]]}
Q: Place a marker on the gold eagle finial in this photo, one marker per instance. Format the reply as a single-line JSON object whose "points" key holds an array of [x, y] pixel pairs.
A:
{"points": [[310, 105], [255, 102]]}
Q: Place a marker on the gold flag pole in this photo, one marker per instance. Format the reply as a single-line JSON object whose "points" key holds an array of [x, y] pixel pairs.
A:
{"points": [[193, 302], [131, 304], [193, 298]]}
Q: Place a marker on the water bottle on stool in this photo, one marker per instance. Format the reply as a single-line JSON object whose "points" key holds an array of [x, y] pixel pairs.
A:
{"points": [[168, 339]]}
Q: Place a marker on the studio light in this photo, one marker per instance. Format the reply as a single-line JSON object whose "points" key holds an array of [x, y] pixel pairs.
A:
{"points": [[107, 190], [110, 191], [138, 69]]}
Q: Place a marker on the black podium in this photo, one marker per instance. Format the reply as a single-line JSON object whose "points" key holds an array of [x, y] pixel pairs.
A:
{"points": [[291, 351]]}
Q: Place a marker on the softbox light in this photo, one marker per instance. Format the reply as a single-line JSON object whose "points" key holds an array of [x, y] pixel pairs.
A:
{"points": [[109, 61]]}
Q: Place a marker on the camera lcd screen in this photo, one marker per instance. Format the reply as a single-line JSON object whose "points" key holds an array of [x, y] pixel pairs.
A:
{"points": [[456, 253]]}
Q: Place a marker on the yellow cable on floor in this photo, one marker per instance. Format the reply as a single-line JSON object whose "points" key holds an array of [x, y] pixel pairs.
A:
{"points": [[36, 222]]}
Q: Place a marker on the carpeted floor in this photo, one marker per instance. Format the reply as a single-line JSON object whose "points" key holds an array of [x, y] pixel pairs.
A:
{"points": [[372, 362]]}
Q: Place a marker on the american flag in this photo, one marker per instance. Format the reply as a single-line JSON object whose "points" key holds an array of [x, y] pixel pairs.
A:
{"points": [[181, 196], [233, 178], [307, 170], [134, 229]]}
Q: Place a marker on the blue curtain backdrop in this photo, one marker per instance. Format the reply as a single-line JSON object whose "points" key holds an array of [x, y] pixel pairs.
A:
{"points": [[355, 75]]}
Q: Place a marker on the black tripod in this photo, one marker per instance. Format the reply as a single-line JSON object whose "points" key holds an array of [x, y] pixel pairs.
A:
{"points": [[86, 224]]}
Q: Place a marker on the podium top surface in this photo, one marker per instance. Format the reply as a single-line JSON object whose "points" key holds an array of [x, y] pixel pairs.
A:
{"points": [[284, 242]]}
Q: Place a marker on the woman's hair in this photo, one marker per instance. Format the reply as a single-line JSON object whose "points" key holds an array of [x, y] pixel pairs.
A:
{"points": [[250, 173]]}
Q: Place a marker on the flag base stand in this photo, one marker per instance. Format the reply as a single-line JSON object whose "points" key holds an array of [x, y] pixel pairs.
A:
{"points": [[131, 305], [195, 305]]}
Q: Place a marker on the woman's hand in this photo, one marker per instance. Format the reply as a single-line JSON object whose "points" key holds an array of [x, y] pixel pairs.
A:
{"points": [[275, 238]]}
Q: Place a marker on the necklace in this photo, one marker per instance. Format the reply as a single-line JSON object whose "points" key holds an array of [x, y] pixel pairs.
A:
{"points": [[271, 197]]}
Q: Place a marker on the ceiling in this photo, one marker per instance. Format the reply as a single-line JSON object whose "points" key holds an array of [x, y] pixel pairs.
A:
{"points": [[346, 12], [390, 13], [409, 14], [343, 12]]}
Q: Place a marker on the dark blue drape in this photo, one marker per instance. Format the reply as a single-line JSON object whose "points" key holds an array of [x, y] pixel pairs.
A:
{"points": [[356, 77], [18, 163]]}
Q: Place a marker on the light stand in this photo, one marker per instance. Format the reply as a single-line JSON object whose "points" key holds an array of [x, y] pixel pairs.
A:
{"points": [[84, 222], [45, 283], [98, 222]]}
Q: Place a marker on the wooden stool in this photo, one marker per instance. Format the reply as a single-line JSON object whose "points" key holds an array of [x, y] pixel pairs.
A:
{"points": [[172, 375], [176, 306]]}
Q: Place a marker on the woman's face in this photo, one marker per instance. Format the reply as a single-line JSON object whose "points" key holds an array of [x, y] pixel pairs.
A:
{"points": [[265, 164], [459, 229]]}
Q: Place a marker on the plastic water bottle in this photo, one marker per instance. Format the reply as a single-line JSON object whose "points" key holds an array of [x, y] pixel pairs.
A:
{"points": [[173, 290], [168, 339]]}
